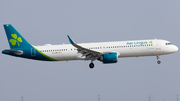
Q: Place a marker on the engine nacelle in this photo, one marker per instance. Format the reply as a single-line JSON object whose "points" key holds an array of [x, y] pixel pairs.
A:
{"points": [[111, 57]]}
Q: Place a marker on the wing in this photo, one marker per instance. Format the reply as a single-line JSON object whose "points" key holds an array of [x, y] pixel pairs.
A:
{"points": [[88, 53]]}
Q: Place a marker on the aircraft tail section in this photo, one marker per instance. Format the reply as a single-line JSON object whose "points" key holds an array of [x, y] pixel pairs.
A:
{"points": [[20, 47], [14, 37]]}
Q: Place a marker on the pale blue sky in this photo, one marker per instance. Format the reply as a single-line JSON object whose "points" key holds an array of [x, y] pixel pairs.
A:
{"points": [[131, 79]]}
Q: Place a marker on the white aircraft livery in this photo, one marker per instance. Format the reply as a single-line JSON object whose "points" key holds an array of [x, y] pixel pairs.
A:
{"points": [[106, 52]]}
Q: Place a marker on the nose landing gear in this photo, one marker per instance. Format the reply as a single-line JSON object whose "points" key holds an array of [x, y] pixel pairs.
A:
{"points": [[159, 62]]}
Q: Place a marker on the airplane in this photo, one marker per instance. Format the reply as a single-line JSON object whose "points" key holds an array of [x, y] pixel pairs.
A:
{"points": [[106, 52]]}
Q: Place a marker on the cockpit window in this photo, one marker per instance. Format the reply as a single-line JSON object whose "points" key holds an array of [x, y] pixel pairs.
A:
{"points": [[168, 43]]}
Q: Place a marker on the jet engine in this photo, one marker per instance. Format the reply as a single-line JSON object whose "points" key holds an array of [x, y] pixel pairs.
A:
{"points": [[111, 57]]}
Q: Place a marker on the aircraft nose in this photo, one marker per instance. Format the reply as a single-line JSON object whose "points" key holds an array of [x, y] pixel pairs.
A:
{"points": [[175, 48]]}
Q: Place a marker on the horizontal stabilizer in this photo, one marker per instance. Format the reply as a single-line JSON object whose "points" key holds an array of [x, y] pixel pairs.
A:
{"points": [[15, 51]]}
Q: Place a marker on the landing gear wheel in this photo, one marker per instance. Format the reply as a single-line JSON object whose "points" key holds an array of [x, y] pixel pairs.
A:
{"points": [[158, 62], [158, 59], [91, 65]]}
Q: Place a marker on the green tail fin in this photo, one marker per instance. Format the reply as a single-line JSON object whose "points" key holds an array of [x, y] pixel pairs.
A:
{"points": [[14, 37]]}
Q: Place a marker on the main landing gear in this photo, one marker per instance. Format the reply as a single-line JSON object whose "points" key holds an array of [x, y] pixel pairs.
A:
{"points": [[158, 60], [91, 65]]}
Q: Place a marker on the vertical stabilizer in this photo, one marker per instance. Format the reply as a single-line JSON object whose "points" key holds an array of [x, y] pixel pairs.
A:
{"points": [[14, 37]]}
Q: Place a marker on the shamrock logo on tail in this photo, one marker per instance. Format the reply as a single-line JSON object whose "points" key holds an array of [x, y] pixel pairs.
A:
{"points": [[15, 40]]}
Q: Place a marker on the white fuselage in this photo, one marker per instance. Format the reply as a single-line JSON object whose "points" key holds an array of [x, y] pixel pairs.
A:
{"points": [[134, 48], [106, 52]]}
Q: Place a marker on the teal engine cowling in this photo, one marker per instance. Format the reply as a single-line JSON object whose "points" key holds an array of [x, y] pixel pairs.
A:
{"points": [[111, 57]]}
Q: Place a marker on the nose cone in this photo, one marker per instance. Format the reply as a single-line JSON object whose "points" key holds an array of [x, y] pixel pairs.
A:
{"points": [[175, 48]]}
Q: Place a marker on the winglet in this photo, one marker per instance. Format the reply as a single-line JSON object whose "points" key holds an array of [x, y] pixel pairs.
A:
{"points": [[70, 40]]}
